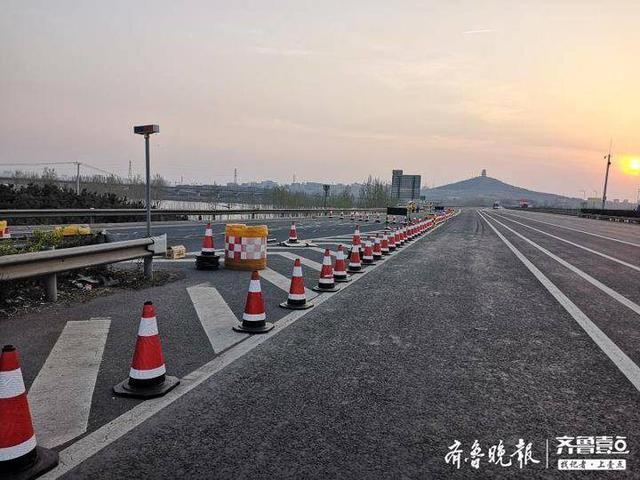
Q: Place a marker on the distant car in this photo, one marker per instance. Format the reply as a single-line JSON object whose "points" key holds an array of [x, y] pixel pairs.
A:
{"points": [[496, 205]]}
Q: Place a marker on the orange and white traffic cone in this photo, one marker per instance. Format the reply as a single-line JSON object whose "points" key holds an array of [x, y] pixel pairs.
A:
{"points": [[297, 298], [377, 218], [20, 455], [355, 240], [326, 282], [340, 271], [377, 248], [5, 234], [392, 241], [403, 234], [207, 260], [397, 238], [341, 215], [254, 316], [147, 376], [384, 244], [293, 240], [293, 233], [355, 265], [367, 255]]}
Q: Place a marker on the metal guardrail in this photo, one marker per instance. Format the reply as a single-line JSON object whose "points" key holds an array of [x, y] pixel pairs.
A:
{"points": [[141, 212], [623, 216], [49, 263], [610, 218]]}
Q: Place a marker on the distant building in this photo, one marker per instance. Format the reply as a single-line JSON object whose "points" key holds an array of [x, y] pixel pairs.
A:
{"points": [[484, 172], [404, 188]]}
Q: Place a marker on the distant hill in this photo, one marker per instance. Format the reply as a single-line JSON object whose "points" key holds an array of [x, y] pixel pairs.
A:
{"points": [[483, 191]]}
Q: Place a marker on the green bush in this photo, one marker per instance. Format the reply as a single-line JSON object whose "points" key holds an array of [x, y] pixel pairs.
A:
{"points": [[44, 240], [7, 247]]}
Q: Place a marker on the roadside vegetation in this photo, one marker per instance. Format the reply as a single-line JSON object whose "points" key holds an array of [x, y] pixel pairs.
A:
{"points": [[373, 193], [52, 196]]}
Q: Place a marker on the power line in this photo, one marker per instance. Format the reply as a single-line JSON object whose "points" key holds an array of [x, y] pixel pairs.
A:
{"points": [[36, 164]]}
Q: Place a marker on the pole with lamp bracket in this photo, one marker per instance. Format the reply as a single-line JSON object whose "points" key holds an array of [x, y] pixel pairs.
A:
{"points": [[147, 130]]}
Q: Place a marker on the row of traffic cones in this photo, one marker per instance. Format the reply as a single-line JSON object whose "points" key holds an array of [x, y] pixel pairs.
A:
{"points": [[20, 455], [254, 316]]}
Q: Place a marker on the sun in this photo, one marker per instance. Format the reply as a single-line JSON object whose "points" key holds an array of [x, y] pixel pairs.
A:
{"points": [[630, 164]]}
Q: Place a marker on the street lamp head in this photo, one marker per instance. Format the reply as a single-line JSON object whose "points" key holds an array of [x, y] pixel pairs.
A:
{"points": [[146, 129]]}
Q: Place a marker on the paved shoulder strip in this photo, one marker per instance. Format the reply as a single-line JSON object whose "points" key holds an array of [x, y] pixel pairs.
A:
{"points": [[617, 356]]}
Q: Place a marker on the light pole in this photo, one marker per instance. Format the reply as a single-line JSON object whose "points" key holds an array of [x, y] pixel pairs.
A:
{"points": [[606, 177], [77, 178], [147, 130], [326, 188]]}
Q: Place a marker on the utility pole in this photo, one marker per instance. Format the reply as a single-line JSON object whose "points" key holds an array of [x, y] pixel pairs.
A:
{"points": [[130, 170], [235, 176], [606, 176], [77, 178]]}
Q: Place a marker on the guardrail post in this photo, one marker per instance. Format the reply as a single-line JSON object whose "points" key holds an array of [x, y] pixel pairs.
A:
{"points": [[148, 268], [51, 287]]}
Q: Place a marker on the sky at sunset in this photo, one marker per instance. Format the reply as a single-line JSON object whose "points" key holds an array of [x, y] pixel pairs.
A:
{"points": [[330, 90]]}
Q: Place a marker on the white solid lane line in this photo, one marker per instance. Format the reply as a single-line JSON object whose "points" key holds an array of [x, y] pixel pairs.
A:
{"points": [[590, 250], [216, 317], [617, 356], [576, 230], [60, 396], [596, 283]]}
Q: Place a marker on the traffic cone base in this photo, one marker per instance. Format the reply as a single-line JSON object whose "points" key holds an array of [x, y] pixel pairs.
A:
{"points": [[298, 243], [248, 327], [207, 261], [39, 461], [320, 288], [345, 279], [129, 388], [293, 305]]}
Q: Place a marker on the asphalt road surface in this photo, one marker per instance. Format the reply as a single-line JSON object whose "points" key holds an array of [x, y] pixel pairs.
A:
{"points": [[491, 336]]}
